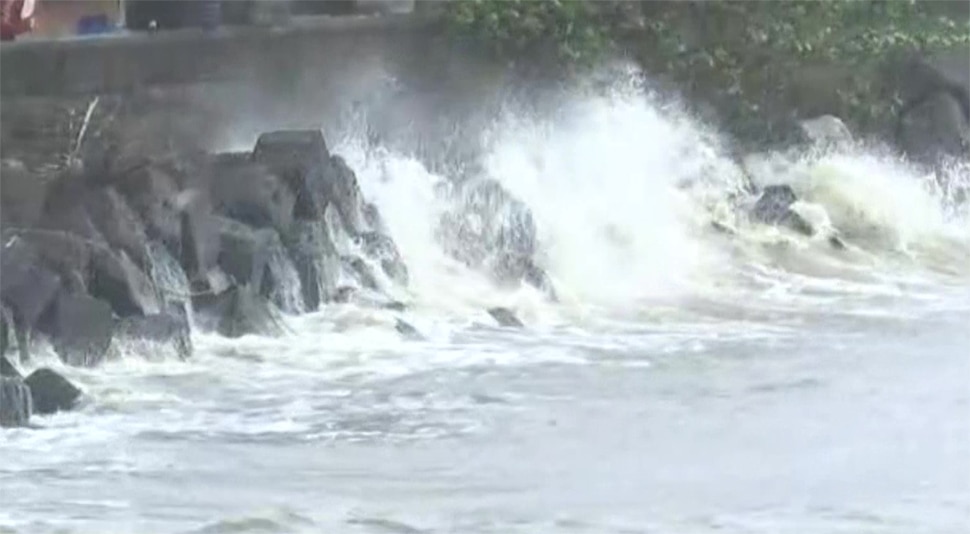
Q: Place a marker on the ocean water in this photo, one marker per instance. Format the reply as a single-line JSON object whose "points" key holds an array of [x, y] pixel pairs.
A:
{"points": [[688, 381]]}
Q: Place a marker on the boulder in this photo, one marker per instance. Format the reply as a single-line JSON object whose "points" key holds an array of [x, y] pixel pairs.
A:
{"points": [[258, 259], [64, 209], [116, 280], [243, 251], [152, 193], [827, 130], [358, 270], [51, 392], [120, 226], [15, 402], [251, 192], [935, 92], [166, 332], [343, 192], [301, 159], [80, 328], [22, 195], [237, 312], [505, 317], [316, 261], [26, 287], [198, 234], [539, 279], [934, 127], [407, 330], [490, 228], [774, 207], [8, 369], [67, 255], [382, 249]]}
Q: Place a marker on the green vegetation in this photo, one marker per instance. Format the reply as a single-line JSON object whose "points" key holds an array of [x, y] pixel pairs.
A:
{"points": [[754, 53]]}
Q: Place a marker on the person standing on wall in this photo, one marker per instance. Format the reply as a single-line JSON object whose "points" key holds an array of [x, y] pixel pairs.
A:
{"points": [[16, 17]]}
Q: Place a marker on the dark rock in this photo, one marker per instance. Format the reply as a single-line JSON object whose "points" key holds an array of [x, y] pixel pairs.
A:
{"points": [[22, 195], [381, 248], [395, 305], [152, 193], [80, 328], [836, 242], [827, 130], [490, 228], [167, 329], [8, 369], [64, 208], [344, 294], [316, 261], [198, 249], [774, 207], [51, 392], [343, 192], [360, 271], [117, 223], [119, 282], [26, 287], [257, 258], [301, 159], [505, 317], [15, 402], [407, 330], [250, 192], [240, 311], [243, 251], [67, 255], [539, 279], [933, 128]]}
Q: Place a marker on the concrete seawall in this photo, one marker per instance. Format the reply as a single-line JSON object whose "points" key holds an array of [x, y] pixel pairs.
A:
{"points": [[121, 63]]}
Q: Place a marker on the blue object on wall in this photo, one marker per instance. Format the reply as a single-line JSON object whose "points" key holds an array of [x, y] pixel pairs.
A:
{"points": [[93, 24]]}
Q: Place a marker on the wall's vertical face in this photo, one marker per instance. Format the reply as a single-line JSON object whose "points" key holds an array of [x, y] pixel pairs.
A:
{"points": [[59, 18]]}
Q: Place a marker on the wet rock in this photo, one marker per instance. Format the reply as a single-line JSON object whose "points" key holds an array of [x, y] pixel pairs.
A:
{"points": [[152, 193], [301, 159], [8, 369], [80, 329], [15, 402], [774, 207], [239, 311], [360, 271], [22, 195], [26, 287], [316, 261], [935, 91], [505, 317], [382, 249], [934, 127], [407, 330], [198, 250], [250, 192], [827, 130], [539, 279], [343, 192], [167, 331], [51, 392], [257, 258], [120, 226], [116, 280], [243, 251], [344, 294], [395, 305], [490, 228]]}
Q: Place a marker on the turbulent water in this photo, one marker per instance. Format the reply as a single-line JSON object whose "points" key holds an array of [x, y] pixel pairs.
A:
{"points": [[687, 381]]}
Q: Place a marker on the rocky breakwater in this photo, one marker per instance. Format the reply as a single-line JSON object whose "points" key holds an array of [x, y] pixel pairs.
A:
{"points": [[120, 253]]}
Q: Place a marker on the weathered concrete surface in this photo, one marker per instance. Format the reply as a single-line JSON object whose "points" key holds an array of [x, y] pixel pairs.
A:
{"points": [[118, 63]]}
